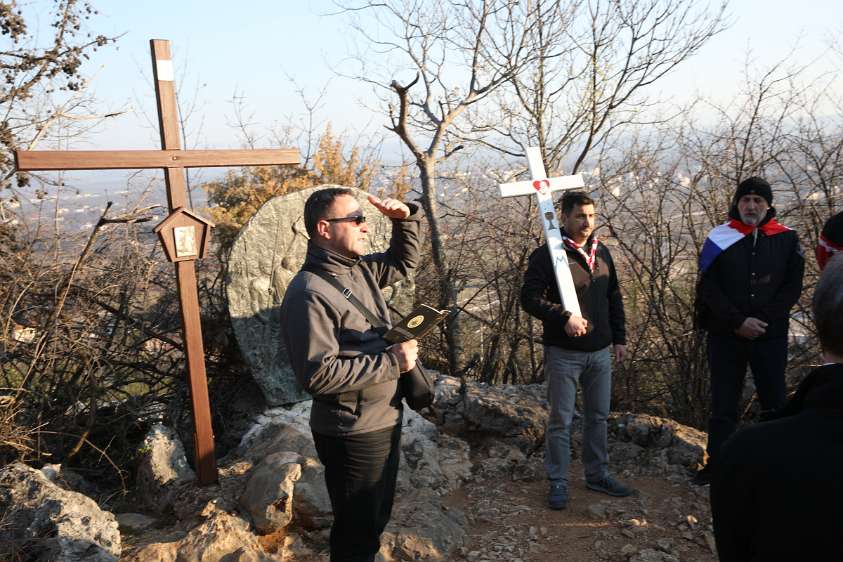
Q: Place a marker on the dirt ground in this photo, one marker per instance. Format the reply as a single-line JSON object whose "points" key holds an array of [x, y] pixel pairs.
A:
{"points": [[668, 520]]}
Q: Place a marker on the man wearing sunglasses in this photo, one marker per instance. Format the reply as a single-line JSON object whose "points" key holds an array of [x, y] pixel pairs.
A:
{"points": [[346, 365]]}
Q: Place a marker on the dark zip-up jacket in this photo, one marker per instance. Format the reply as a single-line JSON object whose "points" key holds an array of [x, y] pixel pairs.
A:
{"points": [[599, 296], [337, 356], [755, 277], [777, 490]]}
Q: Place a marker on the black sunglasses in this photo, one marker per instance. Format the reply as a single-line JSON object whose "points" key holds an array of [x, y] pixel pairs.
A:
{"points": [[357, 219]]}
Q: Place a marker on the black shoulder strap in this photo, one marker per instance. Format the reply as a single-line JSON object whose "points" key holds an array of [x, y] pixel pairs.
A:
{"points": [[332, 280]]}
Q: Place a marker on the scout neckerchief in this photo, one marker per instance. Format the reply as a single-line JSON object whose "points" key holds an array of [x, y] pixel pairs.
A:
{"points": [[723, 236], [589, 257]]}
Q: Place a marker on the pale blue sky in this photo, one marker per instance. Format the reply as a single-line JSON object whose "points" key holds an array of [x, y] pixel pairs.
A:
{"points": [[249, 46]]}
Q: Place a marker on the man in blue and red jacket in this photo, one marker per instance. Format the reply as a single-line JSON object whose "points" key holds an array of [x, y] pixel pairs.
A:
{"points": [[750, 277]]}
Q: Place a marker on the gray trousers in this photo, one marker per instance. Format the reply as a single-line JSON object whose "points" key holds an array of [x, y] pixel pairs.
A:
{"points": [[563, 368]]}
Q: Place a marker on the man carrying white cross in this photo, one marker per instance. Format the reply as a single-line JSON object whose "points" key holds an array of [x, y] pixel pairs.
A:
{"points": [[577, 337]]}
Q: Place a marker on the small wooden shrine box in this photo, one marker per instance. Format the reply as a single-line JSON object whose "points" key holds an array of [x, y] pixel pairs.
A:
{"points": [[185, 235]]}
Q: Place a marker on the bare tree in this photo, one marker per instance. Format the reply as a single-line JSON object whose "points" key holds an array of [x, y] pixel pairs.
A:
{"points": [[673, 185], [449, 53], [41, 74], [595, 63]]}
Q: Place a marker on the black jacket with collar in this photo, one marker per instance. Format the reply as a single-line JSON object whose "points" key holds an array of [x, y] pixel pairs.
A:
{"points": [[755, 277], [777, 491], [598, 293]]}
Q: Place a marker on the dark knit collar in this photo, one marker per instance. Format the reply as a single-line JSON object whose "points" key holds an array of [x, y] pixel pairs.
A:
{"points": [[330, 261]]}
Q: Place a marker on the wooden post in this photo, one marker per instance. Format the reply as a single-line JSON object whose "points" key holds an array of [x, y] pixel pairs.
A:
{"points": [[168, 125], [173, 160]]}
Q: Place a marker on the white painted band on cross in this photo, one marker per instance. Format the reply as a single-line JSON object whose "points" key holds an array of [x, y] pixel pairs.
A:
{"points": [[542, 186], [164, 70]]}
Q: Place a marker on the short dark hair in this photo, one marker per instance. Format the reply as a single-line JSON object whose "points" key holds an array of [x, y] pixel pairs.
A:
{"points": [[828, 306], [317, 205], [573, 198]]}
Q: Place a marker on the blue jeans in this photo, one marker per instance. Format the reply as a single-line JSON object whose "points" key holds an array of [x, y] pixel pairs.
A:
{"points": [[563, 368]]}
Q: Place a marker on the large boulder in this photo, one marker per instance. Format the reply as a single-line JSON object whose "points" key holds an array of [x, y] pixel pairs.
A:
{"points": [[311, 503], [162, 468], [45, 522], [514, 414], [268, 497], [422, 528], [666, 443], [267, 253], [284, 428], [431, 459], [220, 536]]}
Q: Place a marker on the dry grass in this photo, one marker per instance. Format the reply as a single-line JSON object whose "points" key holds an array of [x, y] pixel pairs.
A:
{"points": [[15, 439]]}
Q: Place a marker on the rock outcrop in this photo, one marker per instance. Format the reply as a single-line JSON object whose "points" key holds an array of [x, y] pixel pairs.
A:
{"points": [[661, 445], [431, 459], [268, 497], [42, 521], [311, 504], [162, 469], [220, 536], [271, 504], [514, 414]]}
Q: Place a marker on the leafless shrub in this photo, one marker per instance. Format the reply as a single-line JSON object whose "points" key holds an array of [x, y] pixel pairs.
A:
{"points": [[90, 344]]}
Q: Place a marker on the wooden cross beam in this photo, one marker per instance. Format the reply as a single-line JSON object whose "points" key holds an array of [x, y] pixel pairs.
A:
{"points": [[173, 160], [541, 186]]}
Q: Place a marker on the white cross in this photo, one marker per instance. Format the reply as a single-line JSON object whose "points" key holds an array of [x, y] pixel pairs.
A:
{"points": [[542, 186]]}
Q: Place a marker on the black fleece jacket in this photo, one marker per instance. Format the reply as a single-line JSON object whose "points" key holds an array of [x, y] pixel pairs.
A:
{"points": [[598, 293], [758, 277], [777, 491]]}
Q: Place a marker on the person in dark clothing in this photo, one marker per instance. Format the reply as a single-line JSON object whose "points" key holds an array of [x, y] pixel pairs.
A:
{"points": [[750, 277], [777, 489], [344, 362], [830, 241], [577, 349]]}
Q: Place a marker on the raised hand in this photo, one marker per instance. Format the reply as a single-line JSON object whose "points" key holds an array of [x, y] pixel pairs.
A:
{"points": [[392, 208]]}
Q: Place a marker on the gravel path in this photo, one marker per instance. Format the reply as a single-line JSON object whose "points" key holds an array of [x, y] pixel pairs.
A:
{"points": [[668, 521]]}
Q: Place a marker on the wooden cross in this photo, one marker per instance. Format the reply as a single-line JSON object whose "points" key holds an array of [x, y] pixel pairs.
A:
{"points": [[173, 160], [542, 186]]}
